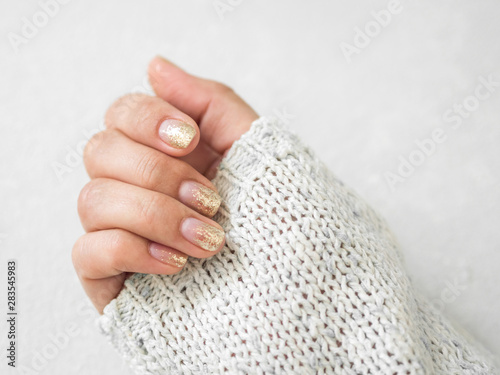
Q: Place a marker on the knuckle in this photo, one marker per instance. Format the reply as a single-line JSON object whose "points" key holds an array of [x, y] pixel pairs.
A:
{"points": [[96, 143], [90, 147], [150, 208], [148, 167], [150, 111], [122, 107], [116, 248], [76, 254], [90, 196]]}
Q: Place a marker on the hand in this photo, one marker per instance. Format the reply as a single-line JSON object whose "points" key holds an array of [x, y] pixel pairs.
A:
{"points": [[149, 202]]}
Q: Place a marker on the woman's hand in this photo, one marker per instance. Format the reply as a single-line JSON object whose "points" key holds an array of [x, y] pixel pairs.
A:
{"points": [[149, 202]]}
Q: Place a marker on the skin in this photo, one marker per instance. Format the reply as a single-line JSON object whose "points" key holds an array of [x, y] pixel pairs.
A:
{"points": [[133, 197]]}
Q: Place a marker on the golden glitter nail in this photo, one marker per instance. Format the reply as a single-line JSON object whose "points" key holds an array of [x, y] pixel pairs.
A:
{"points": [[173, 259], [199, 197], [204, 235], [176, 133], [165, 255]]}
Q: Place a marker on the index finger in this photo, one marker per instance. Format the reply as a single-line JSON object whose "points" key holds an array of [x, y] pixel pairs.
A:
{"points": [[154, 122]]}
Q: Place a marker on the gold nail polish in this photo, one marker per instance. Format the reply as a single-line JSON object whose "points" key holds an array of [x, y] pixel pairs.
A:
{"points": [[173, 259], [208, 237], [165, 255], [176, 133], [206, 200]]}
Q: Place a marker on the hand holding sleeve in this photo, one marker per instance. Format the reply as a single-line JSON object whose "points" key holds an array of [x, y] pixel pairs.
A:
{"points": [[310, 282]]}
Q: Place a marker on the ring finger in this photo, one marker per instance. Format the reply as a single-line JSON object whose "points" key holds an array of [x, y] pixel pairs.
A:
{"points": [[108, 204]]}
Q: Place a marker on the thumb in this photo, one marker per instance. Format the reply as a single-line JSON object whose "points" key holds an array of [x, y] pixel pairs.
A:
{"points": [[221, 114]]}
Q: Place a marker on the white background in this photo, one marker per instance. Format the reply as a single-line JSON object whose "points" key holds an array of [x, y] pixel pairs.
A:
{"points": [[281, 56]]}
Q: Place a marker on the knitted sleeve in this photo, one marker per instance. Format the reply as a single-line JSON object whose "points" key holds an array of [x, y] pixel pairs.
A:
{"points": [[310, 281]]}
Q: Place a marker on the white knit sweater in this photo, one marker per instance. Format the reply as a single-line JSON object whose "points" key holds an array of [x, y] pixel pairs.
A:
{"points": [[310, 281]]}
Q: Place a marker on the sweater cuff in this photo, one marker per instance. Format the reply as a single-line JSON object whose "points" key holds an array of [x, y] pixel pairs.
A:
{"points": [[322, 268], [267, 141], [129, 318]]}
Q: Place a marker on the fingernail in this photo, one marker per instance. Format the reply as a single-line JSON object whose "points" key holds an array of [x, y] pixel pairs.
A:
{"points": [[176, 133], [204, 235], [199, 197], [160, 64], [166, 255]]}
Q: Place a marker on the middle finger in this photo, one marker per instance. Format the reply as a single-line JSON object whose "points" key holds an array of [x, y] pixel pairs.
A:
{"points": [[111, 154]]}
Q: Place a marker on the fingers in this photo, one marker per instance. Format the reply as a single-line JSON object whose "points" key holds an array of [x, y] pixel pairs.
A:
{"points": [[152, 121], [108, 204], [106, 253], [102, 259], [221, 114], [113, 155], [144, 207]]}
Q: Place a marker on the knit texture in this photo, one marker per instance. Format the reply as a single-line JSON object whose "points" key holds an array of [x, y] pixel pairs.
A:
{"points": [[310, 281]]}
